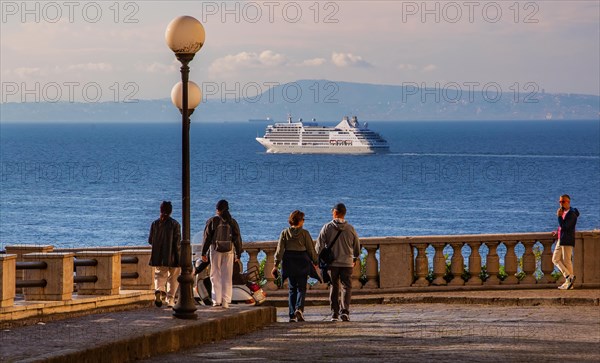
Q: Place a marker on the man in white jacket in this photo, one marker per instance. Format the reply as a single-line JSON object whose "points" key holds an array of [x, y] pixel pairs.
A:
{"points": [[346, 251]]}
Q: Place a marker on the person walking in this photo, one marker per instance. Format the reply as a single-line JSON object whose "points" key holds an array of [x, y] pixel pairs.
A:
{"points": [[563, 251], [346, 250], [222, 237], [165, 238], [297, 255]]}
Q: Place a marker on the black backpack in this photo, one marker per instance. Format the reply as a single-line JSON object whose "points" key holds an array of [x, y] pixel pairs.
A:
{"points": [[223, 238]]}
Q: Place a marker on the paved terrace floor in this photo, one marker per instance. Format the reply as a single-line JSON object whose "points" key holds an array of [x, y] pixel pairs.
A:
{"points": [[516, 325]]}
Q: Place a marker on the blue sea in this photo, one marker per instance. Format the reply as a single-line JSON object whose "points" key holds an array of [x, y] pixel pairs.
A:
{"points": [[74, 185]]}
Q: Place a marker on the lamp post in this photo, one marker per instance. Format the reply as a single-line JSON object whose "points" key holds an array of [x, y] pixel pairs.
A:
{"points": [[185, 36]]}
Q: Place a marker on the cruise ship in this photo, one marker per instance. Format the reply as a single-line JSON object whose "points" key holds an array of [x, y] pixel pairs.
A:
{"points": [[348, 137]]}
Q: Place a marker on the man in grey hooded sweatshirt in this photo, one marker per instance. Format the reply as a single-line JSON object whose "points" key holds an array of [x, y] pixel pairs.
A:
{"points": [[346, 251]]}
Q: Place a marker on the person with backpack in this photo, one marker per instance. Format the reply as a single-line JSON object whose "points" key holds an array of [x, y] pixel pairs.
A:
{"points": [[297, 255], [341, 237], [165, 238], [222, 237]]}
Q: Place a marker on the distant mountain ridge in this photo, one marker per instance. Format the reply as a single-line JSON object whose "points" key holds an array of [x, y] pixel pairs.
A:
{"points": [[327, 101]]}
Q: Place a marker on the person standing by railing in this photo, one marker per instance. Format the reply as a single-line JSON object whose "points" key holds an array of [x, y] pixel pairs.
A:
{"points": [[296, 253], [223, 238], [563, 251], [165, 238], [346, 251]]}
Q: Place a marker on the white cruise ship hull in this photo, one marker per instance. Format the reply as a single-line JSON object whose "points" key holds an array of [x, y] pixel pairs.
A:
{"points": [[319, 149], [348, 137]]}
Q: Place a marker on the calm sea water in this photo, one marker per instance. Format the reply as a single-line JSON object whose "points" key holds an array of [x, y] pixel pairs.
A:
{"points": [[92, 185]]}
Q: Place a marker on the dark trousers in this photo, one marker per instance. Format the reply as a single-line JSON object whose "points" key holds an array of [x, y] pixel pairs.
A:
{"points": [[341, 275], [297, 293]]}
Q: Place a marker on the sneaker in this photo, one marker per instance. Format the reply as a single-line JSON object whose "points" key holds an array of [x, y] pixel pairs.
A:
{"points": [[170, 302], [335, 318], [564, 285], [215, 304], [570, 281], [345, 317], [299, 315], [293, 320], [157, 299], [225, 305]]}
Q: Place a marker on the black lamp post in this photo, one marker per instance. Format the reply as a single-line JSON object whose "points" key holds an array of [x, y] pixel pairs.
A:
{"points": [[185, 36]]}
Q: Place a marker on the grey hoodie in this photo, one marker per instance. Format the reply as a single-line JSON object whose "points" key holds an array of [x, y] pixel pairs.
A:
{"points": [[295, 239], [347, 248]]}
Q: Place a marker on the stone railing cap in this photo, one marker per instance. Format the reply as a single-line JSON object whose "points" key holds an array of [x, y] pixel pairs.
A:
{"points": [[49, 255]]}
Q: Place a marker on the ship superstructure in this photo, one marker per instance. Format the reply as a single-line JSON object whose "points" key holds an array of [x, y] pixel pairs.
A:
{"points": [[347, 137]]}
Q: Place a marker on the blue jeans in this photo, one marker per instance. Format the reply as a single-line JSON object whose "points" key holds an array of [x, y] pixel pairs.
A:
{"points": [[297, 293]]}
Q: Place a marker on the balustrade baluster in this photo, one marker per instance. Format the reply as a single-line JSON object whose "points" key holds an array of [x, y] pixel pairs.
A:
{"points": [[474, 264], [547, 265], [510, 263], [457, 264], [372, 269], [529, 263], [439, 264], [492, 264], [422, 265], [270, 285]]}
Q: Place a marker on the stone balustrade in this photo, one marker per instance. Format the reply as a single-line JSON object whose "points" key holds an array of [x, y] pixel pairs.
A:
{"points": [[86, 271], [388, 264]]}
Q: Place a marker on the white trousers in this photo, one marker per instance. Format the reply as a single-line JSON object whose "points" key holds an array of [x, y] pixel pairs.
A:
{"points": [[164, 275], [562, 259], [221, 271]]}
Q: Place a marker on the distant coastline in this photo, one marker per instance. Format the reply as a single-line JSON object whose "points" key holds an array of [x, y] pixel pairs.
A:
{"points": [[369, 102]]}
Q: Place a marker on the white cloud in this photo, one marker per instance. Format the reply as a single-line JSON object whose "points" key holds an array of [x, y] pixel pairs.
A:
{"points": [[315, 62], [406, 67], [24, 72], [246, 60], [99, 67], [348, 60], [159, 68], [430, 68]]}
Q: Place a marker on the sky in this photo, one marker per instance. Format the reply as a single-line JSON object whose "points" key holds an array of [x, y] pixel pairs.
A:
{"points": [[116, 51]]}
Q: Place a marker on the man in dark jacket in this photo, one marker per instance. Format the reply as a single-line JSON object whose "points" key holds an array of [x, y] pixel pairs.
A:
{"points": [[346, 251], [165, 238], [563, 251]]}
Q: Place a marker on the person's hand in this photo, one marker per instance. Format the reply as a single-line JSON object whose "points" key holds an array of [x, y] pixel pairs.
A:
{"points": [[274, 272], [553, 233], [559, 212], [236, 259], [204, 258]]}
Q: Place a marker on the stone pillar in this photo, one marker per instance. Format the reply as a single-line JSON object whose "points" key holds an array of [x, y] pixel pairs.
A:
{"points": [[396, 265], [58, 276], [529, 263], [457, 264], [547, 265], [21, 250], [586, 260], [474, 264], [253, 260], [270, 285], [356, 273], [145, 279], [108, 271], [510, 264], [492, 264], [439, 264], [422, 266], [8, 264], [372, 268]]}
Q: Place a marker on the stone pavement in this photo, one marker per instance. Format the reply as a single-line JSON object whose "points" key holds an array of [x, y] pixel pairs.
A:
{"points": [[416, 333], [534, 325]]}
